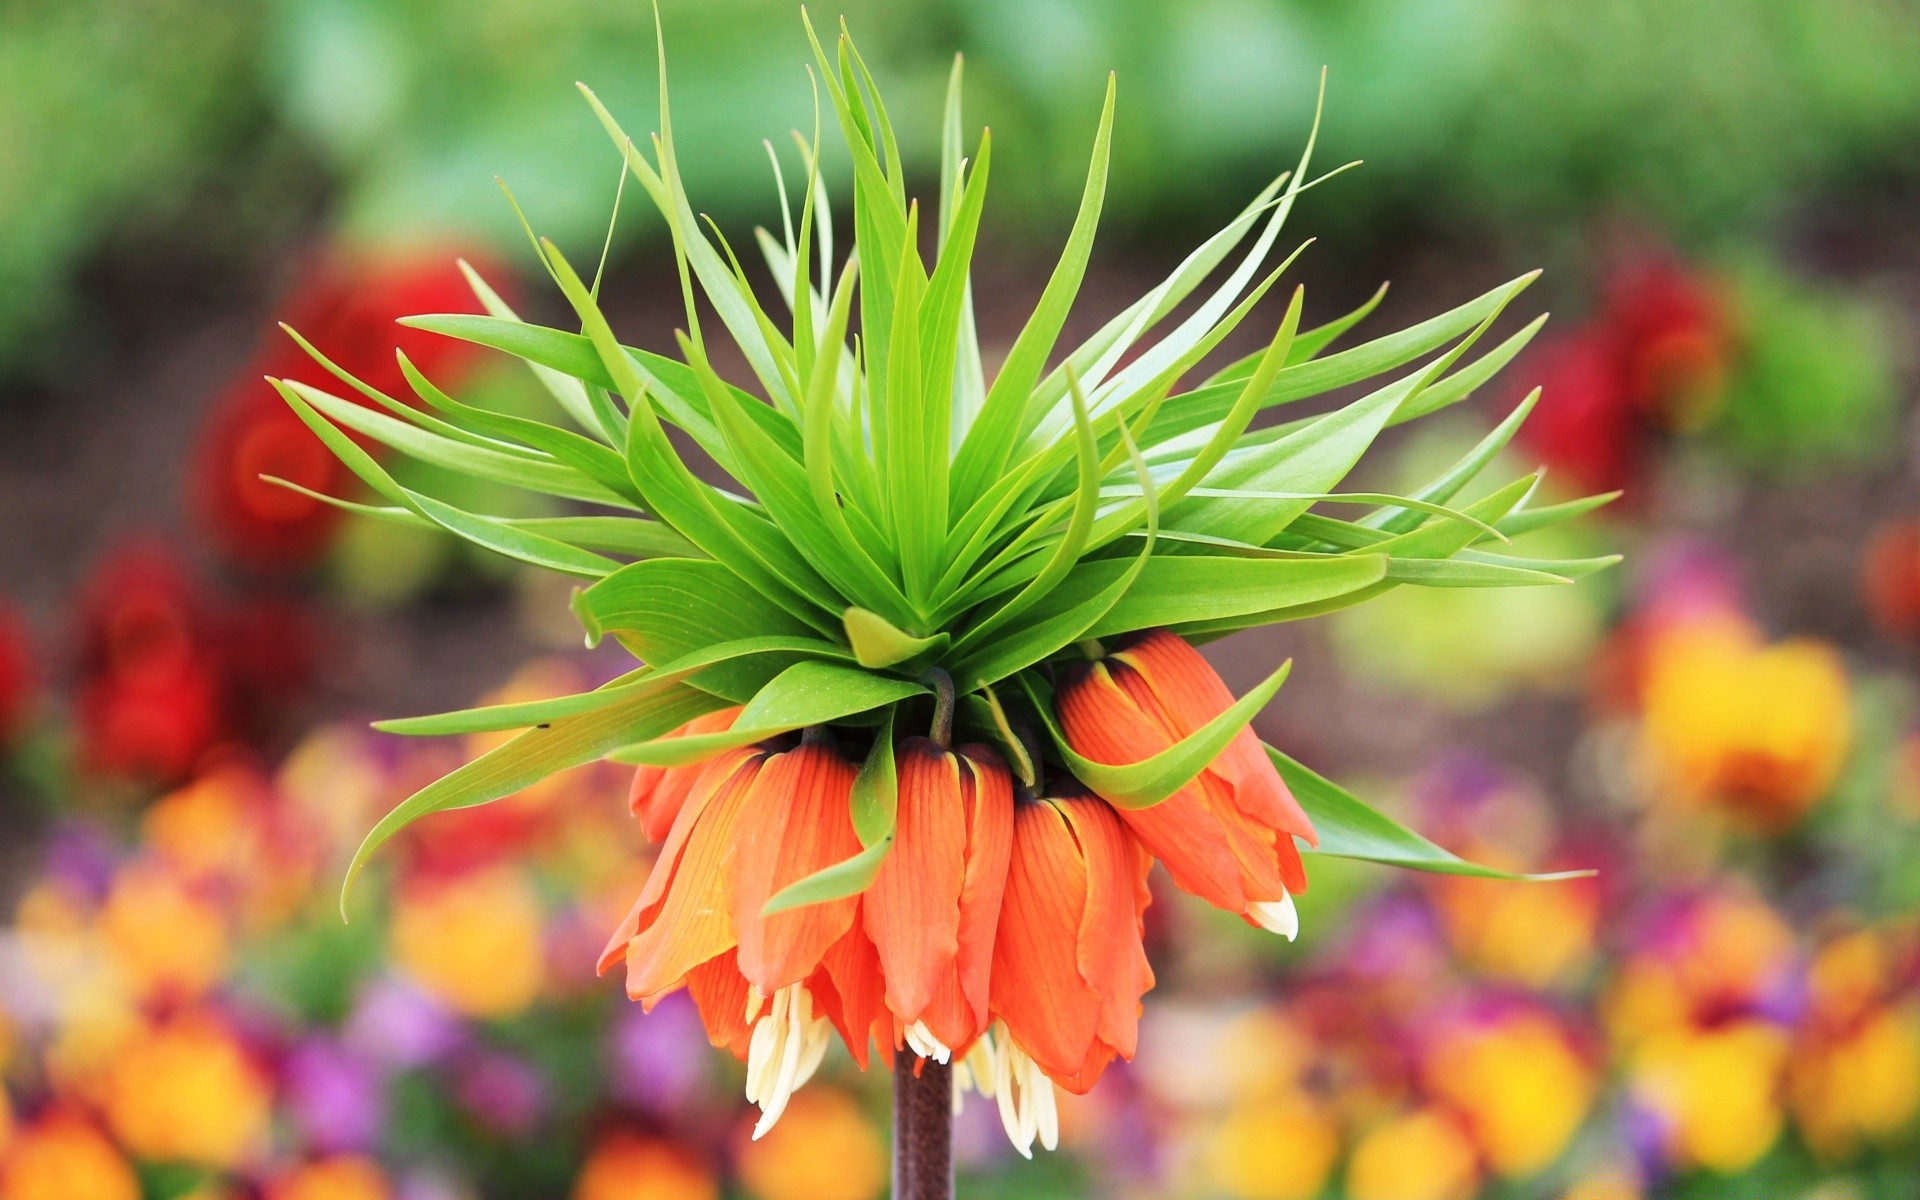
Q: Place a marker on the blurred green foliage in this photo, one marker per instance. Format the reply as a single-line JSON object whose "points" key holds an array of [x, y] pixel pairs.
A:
{"points": [[1704, 115]]}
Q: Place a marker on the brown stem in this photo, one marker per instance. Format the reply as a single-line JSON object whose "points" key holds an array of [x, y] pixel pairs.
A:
{"points": [[922, 1128]]}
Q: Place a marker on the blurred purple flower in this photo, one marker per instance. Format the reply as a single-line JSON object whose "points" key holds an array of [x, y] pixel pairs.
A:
{"points": [[1646, 1134], [333, 1096], [79, 855], [505, 1094], [1395, 937], [979, 1141], [401, 1027], [660, 1059]]}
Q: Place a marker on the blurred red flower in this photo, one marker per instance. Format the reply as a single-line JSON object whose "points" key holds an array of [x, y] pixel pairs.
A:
{"points": [[1653, 360], [167, 672], [346, 304], [18, 679]]}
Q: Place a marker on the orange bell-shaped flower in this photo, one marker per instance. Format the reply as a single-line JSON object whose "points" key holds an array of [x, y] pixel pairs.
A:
{"points": [[1227, 836], [1069, 968], [768, 987], [934, 906]]}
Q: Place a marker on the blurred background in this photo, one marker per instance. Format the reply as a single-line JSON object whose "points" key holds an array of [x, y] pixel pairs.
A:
{"points": [[1723, 193]]}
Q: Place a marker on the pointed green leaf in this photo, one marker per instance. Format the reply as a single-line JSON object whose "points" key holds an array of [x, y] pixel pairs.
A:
{"points": [[1348, 828], [807, 693]]}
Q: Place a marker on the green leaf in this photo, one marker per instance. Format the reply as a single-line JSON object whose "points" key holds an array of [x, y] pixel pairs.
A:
{"points": [[591, 459], [1348, 828], [1204, 405], [875, 805], [534, 755], [807, 693], [663, 609], [1146, 783], [1056, 622], [565, 389], [983, 454], [534, 474], [496, 717], [1177, 589], [1072, 543], [877, 642], [1527, 519], [483, 531], [1467, 573]]}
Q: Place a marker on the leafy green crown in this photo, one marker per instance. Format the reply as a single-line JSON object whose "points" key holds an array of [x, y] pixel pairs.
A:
{"points": [[892, 507]]}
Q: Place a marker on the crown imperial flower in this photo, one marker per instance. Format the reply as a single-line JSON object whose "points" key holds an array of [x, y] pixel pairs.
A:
{"points": [[907, 545]]}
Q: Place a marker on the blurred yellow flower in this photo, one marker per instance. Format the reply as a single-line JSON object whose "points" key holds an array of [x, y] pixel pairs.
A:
{"points": [[474, 941], [1759, 731], [62, 1157], [343, 1177], [1533, 936], [1732, 948], [824, 1148], [1519, 1084], [188, 1092], [626, 1166], [1862, 1084], [1716, 1091], [1419, 1155], [169, 941], [1273, 1150], [1846, 977]]}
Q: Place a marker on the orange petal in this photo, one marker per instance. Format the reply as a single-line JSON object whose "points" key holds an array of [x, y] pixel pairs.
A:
{"points": [[1105, 723], [912, 911], [958, 1012], [851, 992], [796, 821], [719, 991], [658, 793], [1110, 955], [692, 924], [709, 779], [1187, 693], [1036, 983]]}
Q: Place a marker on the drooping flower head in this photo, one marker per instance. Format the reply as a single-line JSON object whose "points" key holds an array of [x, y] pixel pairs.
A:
{"points": [[920, 702]]}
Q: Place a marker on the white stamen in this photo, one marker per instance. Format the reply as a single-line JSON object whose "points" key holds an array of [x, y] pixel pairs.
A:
{"points": [[787, 1046], [973, 1072], [1027, 1103], [921, 1039], [1277, 916]]}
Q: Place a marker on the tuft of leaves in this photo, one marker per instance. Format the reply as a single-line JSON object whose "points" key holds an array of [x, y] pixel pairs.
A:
{"points": [[891, 507]]}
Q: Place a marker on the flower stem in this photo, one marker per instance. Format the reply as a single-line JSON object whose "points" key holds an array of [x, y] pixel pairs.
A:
{"points": [[943, 701], [922, 1128]]}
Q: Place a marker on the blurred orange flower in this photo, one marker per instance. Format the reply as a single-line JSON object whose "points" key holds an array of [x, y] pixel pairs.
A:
{"points": [[187, 1091], [1715, 1092], [169, 939], [63, 1157], [627, 1166], [825, 1148], [344, 1177], [475, 941]]}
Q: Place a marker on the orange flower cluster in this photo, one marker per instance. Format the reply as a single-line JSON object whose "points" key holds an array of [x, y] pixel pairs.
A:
{"points": [[1002, 930]]}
